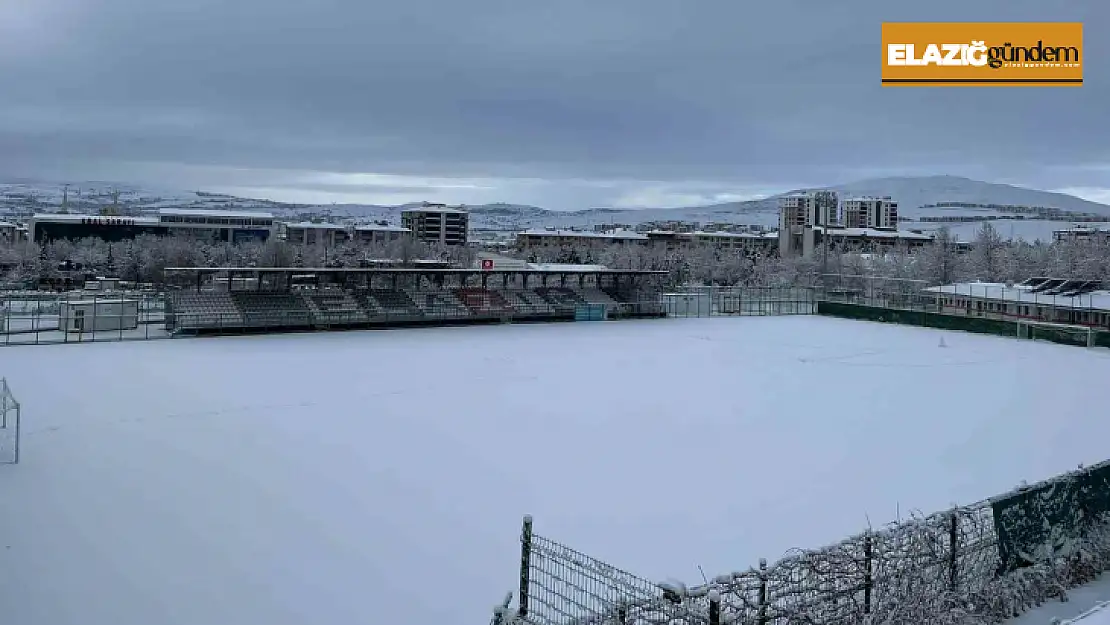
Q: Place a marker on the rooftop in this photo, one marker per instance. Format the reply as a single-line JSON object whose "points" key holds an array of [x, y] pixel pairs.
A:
{"points": [[435, 209], [205, 212], [617, 234], [721, 235], [311, 225], [380, 227], [866, 198], [109, 219], [873, 233]]}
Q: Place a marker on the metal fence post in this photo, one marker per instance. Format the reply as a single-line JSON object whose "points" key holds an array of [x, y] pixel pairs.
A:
{"points": [[762, 591], [525, 565], [714, 607], [953, 549], [868, 580]]}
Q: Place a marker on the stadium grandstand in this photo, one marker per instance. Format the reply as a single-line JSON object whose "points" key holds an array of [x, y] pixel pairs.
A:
{"points": [[235, 300]]}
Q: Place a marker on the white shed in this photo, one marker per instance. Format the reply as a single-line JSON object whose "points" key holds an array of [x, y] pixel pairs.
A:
{"points": [[688, 304], [98, 315]]}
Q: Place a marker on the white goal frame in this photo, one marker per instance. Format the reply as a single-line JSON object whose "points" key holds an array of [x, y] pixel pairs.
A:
{"points": [[1026, 327], [9, 421]]}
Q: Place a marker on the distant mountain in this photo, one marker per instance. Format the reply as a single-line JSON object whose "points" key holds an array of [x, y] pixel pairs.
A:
{"points": [[914, 195]]}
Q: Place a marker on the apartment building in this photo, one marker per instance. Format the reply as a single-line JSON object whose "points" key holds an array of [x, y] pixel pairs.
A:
{"points": [[437, 223], [799, 215], [880, 213]]}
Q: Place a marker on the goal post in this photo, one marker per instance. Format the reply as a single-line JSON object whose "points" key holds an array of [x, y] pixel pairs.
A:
{"points": [[1082, 336], [9, 425]]}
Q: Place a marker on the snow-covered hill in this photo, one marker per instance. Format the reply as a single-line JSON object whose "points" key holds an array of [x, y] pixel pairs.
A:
{"points": [[917, 196]]}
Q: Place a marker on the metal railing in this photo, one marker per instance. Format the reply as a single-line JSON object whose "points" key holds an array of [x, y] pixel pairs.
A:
{"points": [[959, 560]]}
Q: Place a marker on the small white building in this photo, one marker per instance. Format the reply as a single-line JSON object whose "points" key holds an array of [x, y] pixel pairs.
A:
{"points": [[98, 315], [698, 304], [102, 284]]}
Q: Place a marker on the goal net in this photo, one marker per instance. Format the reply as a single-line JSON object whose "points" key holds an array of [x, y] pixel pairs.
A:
{"points": [[9, 425], [1081, 336]]}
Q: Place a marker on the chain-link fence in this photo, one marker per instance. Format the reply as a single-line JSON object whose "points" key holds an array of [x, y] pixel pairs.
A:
{"points": [[994, 559], [36, 317], [710, 301], [1072, 312]]}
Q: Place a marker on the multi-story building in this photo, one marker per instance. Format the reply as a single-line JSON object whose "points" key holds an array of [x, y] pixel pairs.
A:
{"points": [[212, 225], [880, 213], [380, 233], [311, 233], [437, 223], [1080, 233], [810, 222], [660, 239], [217, 225], [9, 232], [800, 214], [541, 238]]}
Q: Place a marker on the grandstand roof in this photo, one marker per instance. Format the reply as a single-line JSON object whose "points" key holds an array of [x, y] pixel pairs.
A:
{"points": [[1095, 300]]}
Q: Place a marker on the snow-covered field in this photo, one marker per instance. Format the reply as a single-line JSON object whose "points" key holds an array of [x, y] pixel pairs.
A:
{"points": [[380, 477]]}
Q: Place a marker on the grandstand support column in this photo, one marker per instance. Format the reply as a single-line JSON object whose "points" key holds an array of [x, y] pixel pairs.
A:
{"points": [[525, 565]]}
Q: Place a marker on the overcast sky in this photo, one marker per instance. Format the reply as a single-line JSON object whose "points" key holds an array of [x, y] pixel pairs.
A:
{"points": [[564, 103]]}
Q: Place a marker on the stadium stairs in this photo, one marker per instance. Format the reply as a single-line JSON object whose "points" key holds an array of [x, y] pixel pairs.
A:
{"points": [[197, 312]]}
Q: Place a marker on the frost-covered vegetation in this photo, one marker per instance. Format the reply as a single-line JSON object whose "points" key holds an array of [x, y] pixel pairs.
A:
{"points": [[991, 259], [946, 568]]}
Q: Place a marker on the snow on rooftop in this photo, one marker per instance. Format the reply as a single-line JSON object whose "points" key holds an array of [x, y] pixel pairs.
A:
{"points": [[721, 235], [1095, 300], [74, 217], [380, 228], [617, 234], [262, 479], [565, 267], [205, 212], [435, 209], [311, 225], [874, 233]]}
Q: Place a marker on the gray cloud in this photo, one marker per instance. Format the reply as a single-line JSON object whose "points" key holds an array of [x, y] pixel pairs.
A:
{"points": [[717, 91]]}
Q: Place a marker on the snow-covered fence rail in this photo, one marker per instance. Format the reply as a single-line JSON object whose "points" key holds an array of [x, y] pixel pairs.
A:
{"points": [[940, 568], [9, 425]]}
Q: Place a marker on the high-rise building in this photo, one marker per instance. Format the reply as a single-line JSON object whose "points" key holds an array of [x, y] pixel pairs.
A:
{"points": [[437, 223], [880, 213], [800, 213]]}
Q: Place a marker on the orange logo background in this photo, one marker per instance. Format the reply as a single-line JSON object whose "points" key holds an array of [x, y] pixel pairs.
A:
{"points": [[1024, 62]]}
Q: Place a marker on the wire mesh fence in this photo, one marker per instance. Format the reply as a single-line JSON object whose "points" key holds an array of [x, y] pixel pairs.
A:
{"points": [[711, 301], [38, 317], [919, 570], [1070, 312]]}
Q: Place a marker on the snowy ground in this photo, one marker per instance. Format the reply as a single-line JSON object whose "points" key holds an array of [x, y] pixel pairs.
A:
{"points": [[1086, 605], [380, 477]]}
